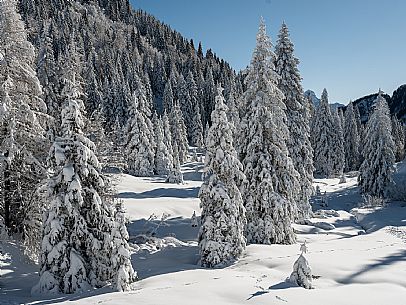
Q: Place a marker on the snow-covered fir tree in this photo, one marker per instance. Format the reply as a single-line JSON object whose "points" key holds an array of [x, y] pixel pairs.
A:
{"points": [[351, 140], [378, 151], [140, 139], [77, 244], [168, 97], [197, 128], [341, 117], [358, 119], [163, 157], [302, 273], [23, 145], [221, 236], [167, 139], [298, 116], [233, 111], [193, 221], [123, 272], [323, 138], [94, 130], [179, 133], [338, 146], [194, 109], [209, 93], [48, 71], [175, 174], [398, 135], [272, 181], [185, 100]]}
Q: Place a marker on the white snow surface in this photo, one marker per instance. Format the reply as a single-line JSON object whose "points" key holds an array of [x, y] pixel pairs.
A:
{"points": [[361, 261]]}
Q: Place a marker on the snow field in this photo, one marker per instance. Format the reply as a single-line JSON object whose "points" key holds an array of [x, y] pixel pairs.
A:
{"points": [[350, 267]]}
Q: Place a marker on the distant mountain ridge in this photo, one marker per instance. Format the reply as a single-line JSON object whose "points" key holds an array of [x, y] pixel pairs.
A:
{"points": [[316, 101], [396, 103]]}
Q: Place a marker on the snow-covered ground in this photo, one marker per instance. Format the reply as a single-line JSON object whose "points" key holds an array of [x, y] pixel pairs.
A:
{"points": [[357, 256]]}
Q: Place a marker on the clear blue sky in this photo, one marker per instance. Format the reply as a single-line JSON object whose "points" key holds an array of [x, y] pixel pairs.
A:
{"points": [[351, 47]]}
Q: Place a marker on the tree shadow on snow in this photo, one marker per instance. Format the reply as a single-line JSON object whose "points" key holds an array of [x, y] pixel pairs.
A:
{"points": [[283, 285], [399, 256], [181, 256], [394, 214], [257, 294], [183, 193], [344, 199], [168, 260], [177, 227]]}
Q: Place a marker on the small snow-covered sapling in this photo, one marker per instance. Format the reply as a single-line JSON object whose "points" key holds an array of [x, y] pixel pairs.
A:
{"points": [[324, 200], [302, 273], [194, 220], [318, 192]]}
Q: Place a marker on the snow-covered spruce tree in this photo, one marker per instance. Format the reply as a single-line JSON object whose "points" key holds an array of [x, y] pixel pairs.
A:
{"points": [[163, 158], [167, 102], [338, 147], [175, 174], [398, 135], [77, 244], [48, 73], [209, 93], [298, 116], [166, 128], [358, 119], [191, 119], [185, 101], [302, 273], [179, 134], [124, 274], [94, 130], [221, 236], [22, 120], [206, 132], [351, 140], [378, 151], [341, 117], [140, 140], [197, 128], [270, 188], [65, 229], [323, 138], [233, 111]]}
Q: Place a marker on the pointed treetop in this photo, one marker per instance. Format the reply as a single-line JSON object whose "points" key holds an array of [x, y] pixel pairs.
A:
{"points": [[324, 96], [284, 27], [303, 247], [262, 36]]}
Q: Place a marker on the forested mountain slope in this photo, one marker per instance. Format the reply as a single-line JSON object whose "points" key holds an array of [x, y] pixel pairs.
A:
{"points": [[122, 50]]}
